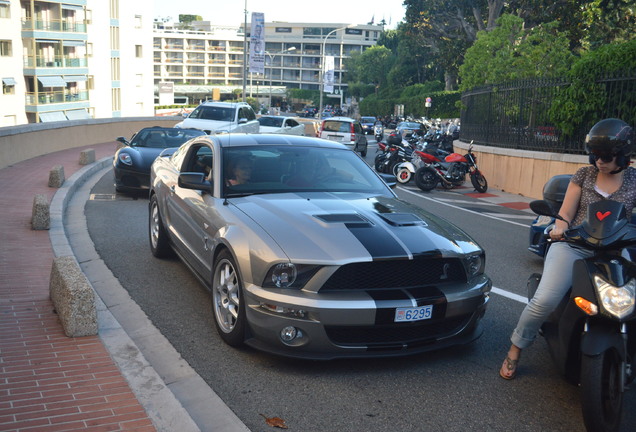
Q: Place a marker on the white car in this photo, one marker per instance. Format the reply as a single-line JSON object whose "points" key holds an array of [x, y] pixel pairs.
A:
{"points": [[222, 117], [281, 125]]}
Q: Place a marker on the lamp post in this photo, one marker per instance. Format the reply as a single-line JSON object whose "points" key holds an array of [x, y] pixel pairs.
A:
{"points": [[322, 66], [271, 70]]}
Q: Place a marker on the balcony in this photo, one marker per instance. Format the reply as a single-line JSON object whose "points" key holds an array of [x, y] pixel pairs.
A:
{"points": [[54, 25], [55, 61], [55, 97]]}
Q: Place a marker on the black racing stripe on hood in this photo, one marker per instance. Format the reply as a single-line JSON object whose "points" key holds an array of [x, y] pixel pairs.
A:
{"points": [[378, 242]]}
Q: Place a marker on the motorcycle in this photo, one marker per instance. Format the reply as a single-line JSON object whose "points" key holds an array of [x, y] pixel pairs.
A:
{"points": [[451, 172], [392, 156], [590, 334], [378, 131]]}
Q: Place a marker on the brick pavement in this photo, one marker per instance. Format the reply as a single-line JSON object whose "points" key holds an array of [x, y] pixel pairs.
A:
{"points": [[49, 382]]}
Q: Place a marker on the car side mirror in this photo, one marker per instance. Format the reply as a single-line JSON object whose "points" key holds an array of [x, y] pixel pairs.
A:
{"points": [[195, 181], [122, 140], [242, 120], [390, 180]]}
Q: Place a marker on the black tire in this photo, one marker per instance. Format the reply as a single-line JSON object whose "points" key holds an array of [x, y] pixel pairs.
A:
{"points": [[377, 163], [601, 396], [228, 305], [426, 178], [159, 243], [479, 182], [363, 153]]}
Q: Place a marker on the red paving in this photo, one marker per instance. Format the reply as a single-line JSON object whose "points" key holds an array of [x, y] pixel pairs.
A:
{"points": [[49, 382]]}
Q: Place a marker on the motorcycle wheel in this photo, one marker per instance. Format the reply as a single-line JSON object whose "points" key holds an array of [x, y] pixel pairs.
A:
{"points": [[403, 175], [426, 178], [479, 182], [377, 163], [601, 395]]}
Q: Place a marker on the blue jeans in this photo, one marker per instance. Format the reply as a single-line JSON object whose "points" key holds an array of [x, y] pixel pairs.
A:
{"points": [[555, 282]]}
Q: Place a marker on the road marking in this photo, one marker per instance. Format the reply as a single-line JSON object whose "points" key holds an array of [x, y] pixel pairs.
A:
{"points": [[508, 294], [460, 208]]}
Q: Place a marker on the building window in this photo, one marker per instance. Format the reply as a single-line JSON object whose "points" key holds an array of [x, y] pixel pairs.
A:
{"points": [[8, 89], [5, 10], [138, 51], [5, 48], [138, 21]]}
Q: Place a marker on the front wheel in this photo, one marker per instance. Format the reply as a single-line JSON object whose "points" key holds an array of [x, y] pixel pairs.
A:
{"points": [[601, 392], [479, 182], [426, 178], [379, 160], [228, 304], [403, 175]]}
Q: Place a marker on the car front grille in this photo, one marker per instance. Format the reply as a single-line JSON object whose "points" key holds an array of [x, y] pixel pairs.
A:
{"points": [[396, 336], [397, 274]]}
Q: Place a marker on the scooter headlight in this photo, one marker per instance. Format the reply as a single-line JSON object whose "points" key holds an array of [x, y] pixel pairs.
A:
{"points": [[617, 301]]}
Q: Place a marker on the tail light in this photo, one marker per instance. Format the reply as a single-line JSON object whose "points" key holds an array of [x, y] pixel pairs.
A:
{"points": [[322, 127], [353, 133]]}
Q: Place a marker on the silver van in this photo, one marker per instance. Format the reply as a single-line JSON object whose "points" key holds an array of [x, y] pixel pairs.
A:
{"points": [[345, 130]]}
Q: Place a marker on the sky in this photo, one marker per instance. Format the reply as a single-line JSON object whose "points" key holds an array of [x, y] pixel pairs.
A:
{"points": [[232, 12]]}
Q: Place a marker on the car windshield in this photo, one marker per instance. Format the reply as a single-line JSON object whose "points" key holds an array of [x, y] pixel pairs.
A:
{"points": [[281, 169], [409, 125], [271, 121], [368, 120], [213, 113], [163, 137]]}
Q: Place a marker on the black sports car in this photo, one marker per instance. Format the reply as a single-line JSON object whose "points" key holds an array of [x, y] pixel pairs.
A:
{"points": [[132, 162]]}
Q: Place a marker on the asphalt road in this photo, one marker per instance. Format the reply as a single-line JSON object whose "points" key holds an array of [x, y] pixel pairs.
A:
{"points": [[457, 389]]}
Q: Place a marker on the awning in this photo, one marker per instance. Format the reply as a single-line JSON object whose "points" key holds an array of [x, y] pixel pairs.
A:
{"points": [[79, 114], [73, 43], [8, 81], [75, 78], [47, 41], [6, 2], [52, 116], [72, 7], [52, 81]]}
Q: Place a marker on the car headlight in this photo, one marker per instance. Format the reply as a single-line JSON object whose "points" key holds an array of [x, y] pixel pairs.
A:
{"points": [[289, 275], [617, 301], [475, 264], [125, 159], [178, 125]]}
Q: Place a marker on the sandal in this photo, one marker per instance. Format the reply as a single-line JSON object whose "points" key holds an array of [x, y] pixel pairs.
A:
{"points": [[508, 368]]}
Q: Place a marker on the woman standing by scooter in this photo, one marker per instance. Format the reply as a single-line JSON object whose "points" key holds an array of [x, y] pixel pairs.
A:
{"points": [[609, 143]]}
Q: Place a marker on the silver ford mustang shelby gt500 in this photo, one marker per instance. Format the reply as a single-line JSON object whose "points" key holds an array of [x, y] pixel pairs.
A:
{"points": [[308, 253]]}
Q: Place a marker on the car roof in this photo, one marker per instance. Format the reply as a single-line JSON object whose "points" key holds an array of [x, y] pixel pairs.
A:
{"points": [[346, 119], [223, 104], [246, 139]]}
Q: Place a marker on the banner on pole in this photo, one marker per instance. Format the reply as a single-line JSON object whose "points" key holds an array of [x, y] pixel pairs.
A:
{"points": [[328, 74], [257, 43]]}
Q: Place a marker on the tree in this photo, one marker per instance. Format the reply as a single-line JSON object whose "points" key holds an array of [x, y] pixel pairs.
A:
{"points": [[510, 52], [370, 66]]}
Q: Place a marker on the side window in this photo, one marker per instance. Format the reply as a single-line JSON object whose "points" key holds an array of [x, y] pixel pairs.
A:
{"points": [[292, 123], [248, 113], [199, 159]]}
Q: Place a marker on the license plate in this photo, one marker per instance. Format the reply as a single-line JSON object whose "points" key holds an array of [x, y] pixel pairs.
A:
{"points": [[335, 138], [413, 314]]}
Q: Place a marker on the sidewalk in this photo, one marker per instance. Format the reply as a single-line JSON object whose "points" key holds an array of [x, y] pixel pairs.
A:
{"points": [[49, 381]]}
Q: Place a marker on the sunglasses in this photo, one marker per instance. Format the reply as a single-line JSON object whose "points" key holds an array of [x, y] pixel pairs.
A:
{"points": [[605, 157]]}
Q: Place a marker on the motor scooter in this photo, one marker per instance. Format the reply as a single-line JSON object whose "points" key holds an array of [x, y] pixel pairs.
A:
{"points": [[378, 132], [590, 334]]}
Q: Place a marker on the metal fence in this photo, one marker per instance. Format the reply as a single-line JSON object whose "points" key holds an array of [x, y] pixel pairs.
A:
{"points": [[518, 115]]}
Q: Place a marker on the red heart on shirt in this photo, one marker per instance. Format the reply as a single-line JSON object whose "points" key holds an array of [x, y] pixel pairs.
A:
{"points": [[602, 216]]}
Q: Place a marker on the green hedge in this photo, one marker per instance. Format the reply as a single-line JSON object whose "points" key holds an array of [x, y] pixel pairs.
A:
{"points": [[444, 103]]}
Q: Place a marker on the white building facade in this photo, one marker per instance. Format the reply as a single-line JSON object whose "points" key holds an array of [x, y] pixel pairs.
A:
{"points": [[62, 60]]}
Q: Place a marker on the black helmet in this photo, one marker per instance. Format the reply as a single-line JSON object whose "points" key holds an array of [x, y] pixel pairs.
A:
{"points": [[610, 137]]}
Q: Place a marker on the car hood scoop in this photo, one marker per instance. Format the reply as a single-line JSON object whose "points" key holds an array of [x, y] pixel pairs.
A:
{"points": [[402, 219], [344, 218]]}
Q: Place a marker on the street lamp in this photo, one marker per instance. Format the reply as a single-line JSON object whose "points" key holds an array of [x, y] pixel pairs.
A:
{"points": [[322, 66], [271, 70]]}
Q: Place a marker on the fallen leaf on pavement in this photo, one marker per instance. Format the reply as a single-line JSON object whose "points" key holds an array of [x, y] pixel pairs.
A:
{"points": [[275, 422]]}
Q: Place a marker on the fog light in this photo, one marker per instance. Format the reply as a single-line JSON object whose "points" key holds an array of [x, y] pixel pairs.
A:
{"points": [[290, 333]]}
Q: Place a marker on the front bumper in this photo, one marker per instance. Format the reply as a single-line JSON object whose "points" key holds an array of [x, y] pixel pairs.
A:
{"points": [[361, 324]]}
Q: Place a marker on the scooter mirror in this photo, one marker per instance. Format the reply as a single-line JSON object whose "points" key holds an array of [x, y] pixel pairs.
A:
{"points": [[542, 207]]}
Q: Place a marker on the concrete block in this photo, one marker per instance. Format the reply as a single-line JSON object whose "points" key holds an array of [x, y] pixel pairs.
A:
{"points": [[73, 298], [56, 176], [41, 214], [87, 157]]}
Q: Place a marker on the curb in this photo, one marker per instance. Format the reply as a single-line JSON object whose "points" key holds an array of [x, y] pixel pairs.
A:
{"points": [[174, 396]]}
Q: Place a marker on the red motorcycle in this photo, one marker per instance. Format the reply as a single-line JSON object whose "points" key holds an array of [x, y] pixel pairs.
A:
{"points": [[449, 173]]}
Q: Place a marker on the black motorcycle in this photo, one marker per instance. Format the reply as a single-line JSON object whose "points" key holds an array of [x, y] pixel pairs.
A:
{"points": [[590, 335], [392, 155]]}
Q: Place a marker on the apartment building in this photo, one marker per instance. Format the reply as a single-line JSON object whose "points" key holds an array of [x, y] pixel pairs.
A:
{"points": [[206, 58], [65, 60]]}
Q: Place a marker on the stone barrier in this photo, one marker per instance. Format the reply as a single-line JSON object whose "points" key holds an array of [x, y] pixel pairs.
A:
{"points": [[73, 298], [41, 215], [87, 157], [56, 176]]}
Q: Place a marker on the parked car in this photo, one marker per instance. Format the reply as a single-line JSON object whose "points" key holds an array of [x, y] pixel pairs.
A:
{"points": [[131, 164], [367, 124], [345, 130], [281, 125], [407, 128], [314, 256], [218, 117]]}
